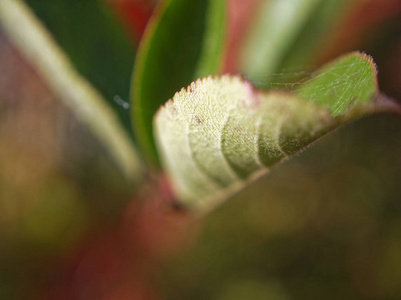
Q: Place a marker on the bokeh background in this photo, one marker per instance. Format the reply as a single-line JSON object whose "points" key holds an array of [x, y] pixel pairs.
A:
{"points": [[325, 225]]}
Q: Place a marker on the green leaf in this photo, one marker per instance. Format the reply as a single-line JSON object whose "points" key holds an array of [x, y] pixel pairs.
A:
{"points": [[219, 134], [184, 41], [46, 57], [344, 84]]}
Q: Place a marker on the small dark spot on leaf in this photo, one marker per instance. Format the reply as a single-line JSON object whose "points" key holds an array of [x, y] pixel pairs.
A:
{"points": [[198, 120], [190, 88]]}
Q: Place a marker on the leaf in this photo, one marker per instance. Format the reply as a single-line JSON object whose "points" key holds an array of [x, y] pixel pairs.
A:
{"points": [[45, 56], [358, 24], [343, 84], [275, 28], [285, 35], [219, 134], [94, 41], [135, 14], [184, 41]]}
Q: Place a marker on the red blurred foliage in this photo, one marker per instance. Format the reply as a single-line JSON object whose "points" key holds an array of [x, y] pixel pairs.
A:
{"points": [[160, 229], [239, 15], [135, 14]]}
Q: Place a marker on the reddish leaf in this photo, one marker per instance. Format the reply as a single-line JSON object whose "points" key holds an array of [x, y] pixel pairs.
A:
{"points": [[239, 16], [135, 14]]}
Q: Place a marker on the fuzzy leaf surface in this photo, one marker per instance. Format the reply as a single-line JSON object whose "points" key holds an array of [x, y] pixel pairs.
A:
{"points": [[219, 134]]}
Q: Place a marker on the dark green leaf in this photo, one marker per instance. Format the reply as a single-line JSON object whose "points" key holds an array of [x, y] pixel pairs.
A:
{"points": [[184, 41], [95, 42]]}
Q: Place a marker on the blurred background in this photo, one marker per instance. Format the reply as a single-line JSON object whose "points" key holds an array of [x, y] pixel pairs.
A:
{"points": [[327, 224]]}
